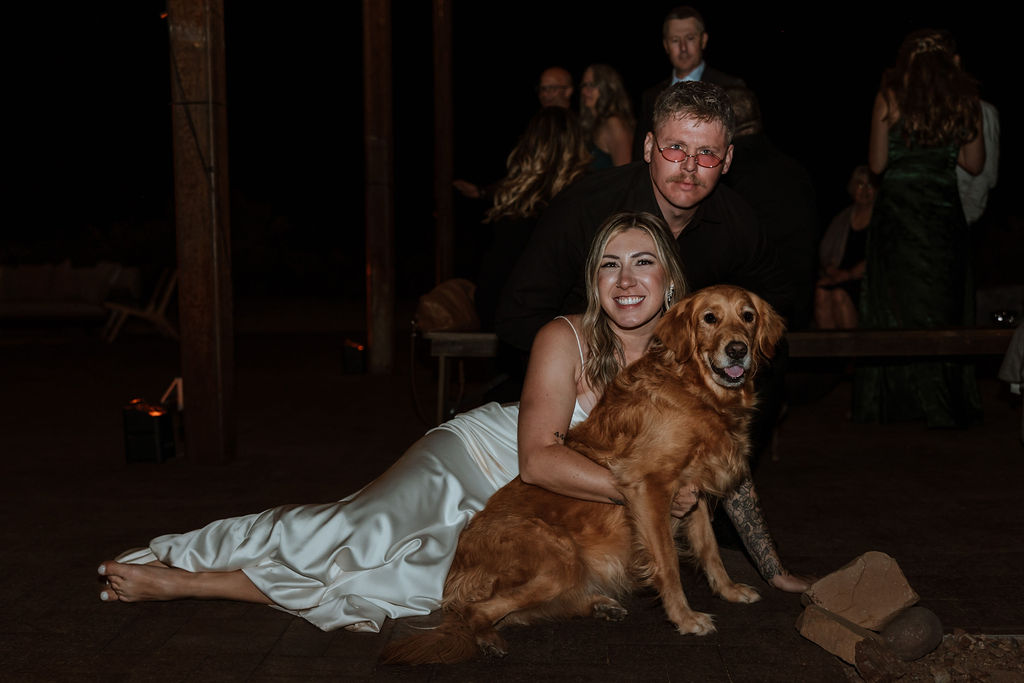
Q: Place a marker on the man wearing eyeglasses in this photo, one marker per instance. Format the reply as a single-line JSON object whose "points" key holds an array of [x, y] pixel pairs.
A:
{"points": [[717, 232], [719, 238], [555, 87]]}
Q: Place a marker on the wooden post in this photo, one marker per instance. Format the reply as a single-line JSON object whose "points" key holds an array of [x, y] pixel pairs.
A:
{"points": [[443, 141], [380, 218], [199, 122]]}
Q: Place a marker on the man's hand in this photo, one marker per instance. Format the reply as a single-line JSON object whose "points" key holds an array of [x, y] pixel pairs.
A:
{"points": [[468, 189], [792, 583]]}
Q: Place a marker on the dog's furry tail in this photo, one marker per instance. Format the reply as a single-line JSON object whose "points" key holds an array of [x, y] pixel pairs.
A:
{"points": [[449, 643]]}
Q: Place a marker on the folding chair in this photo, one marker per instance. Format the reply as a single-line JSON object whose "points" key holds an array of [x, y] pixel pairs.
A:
{"points": [[154, 311]]}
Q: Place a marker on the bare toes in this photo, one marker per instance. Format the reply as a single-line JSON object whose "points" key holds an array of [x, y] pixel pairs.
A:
{"points": [[132, 582]]}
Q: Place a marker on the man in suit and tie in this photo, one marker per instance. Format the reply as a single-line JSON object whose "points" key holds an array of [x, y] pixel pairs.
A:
{"points": [[684, 37]]}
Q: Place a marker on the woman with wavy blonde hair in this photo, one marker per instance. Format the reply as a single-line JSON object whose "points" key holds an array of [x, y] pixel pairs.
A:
{"points": [[550, 155], [926, 121], [384, 551], [607, 356]]}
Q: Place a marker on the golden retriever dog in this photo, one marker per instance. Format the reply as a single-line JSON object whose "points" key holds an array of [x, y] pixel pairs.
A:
{"points": [[676, 417]]}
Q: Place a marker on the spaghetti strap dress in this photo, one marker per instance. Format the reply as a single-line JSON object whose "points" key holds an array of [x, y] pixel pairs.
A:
{"points": [[381, 552]]}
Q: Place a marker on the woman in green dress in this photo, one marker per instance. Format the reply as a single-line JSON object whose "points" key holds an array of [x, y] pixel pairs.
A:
{"points": [[926, 121]]}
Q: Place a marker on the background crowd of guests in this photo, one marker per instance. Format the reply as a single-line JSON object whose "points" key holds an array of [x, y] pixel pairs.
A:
{"points": [[898, 256]]}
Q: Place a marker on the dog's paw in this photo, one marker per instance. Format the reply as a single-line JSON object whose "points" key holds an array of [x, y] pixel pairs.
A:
{"points": [[740, 592], [611, 611], [492, 645], [697, 623]]}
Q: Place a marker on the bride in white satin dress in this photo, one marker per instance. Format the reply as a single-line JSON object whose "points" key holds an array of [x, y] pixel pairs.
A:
{"points": [[385, 550]]}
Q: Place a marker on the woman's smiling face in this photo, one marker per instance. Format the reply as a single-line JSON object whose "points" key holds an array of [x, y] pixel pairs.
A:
{"points": [[631, 280]]}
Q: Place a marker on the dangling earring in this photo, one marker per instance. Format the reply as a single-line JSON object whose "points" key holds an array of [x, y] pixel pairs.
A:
{"points": [[671, 293]]}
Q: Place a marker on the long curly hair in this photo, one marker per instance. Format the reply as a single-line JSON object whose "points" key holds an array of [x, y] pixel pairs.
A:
{"points": [[937, 101], [606, 356], [612, 100], [550, 154]]}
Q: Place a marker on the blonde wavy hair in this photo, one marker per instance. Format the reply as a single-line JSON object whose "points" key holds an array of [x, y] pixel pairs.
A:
{"points": [[550, 155], [606, 356]]}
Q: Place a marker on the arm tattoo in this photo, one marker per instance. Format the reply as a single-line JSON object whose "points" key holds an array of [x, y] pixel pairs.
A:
{"points": [[560, 436], [744, 509]]}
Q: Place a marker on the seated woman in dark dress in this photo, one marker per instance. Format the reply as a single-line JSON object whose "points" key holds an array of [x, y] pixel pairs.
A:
{"points": [[842, 252]]}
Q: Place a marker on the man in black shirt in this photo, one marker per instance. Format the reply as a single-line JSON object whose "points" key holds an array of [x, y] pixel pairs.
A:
{"points": [[781, 192], [685, 155], [719, 238]]}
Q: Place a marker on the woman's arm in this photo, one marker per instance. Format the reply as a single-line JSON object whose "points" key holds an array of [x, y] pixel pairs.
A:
{"points": [[971, 157], [857, 271], [548, 401], [744, 509], [617, 139], [878, 142]]}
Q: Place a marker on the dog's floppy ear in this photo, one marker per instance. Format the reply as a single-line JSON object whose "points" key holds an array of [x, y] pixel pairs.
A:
{"points": [[677, 330], [770, 327]]}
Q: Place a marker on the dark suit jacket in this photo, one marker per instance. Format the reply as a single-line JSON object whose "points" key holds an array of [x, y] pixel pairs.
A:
{"points": [[645, 121]]}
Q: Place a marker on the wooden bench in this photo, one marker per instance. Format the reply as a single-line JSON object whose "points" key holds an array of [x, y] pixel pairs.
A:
{"points": [[60, 291], [969, 341], [445, 345]]}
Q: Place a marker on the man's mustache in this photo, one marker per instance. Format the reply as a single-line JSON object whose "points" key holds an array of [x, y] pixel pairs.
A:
{"points": [[691, 178]]}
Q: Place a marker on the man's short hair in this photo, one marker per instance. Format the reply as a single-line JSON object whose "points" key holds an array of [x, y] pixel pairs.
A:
{"points": [[746, 110], [699, 100], [682, 12]]}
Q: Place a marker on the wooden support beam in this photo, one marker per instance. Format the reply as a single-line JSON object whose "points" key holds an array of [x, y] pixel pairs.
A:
{"points": [[444, 131], [199, 122], [380, 190]]}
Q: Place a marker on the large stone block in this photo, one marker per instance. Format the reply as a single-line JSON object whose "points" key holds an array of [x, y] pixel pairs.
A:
{"points": [[833, 633], [869, 591]]}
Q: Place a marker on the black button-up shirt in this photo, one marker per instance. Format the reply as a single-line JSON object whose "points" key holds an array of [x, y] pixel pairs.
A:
{"points": [[722, 244]]}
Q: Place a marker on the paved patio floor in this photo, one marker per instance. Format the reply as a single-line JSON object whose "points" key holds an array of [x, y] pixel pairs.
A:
{"points": [[945, 504]]}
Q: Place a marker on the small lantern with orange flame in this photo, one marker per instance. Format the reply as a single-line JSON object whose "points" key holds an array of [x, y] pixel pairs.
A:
{"points": [[148, 432]]}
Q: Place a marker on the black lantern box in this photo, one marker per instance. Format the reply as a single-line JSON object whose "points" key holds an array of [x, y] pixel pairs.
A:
{"points": [[148, 432]]}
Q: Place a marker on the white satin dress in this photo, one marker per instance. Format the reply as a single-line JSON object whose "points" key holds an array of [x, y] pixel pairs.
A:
{"points": [[382, 552]]}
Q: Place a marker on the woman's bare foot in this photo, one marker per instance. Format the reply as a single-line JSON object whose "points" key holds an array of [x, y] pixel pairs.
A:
{"points": [[140, 582], [157, 581]]}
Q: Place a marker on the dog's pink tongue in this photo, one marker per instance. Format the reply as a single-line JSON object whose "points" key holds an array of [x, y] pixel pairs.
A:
{"points": [[734, 371]]}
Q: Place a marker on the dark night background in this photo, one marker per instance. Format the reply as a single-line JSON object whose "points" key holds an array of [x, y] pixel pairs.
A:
{"points": [[94, 180]]}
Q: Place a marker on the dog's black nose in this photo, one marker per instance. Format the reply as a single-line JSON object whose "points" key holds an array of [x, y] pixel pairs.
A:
{"points": [[736, 350]]}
